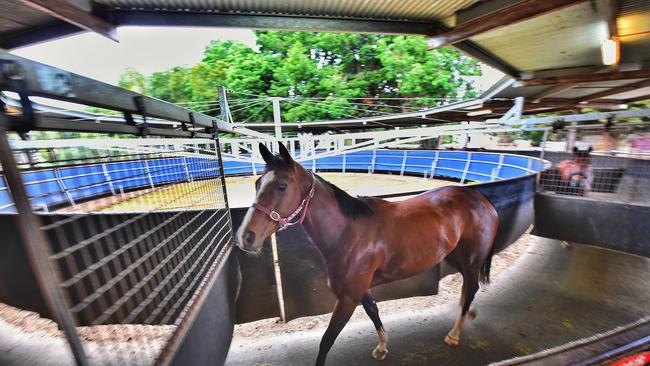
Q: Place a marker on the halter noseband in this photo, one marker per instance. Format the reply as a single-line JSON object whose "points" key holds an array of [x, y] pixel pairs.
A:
{"points": [[286, 222]]}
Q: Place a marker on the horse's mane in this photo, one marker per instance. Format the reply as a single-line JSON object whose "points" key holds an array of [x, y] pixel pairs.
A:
{"points": [[353, 207]]}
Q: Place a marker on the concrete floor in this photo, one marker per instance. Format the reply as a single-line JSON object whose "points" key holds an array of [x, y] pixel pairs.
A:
{"points": [[551, 296]]}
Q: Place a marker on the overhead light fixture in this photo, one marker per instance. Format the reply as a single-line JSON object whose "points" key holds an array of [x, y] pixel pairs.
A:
{"points": [[610, 50], [479, 112]]}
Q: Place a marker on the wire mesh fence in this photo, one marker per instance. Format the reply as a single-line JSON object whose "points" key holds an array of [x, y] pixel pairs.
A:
{"points": [[604, 163], [134, 229]]}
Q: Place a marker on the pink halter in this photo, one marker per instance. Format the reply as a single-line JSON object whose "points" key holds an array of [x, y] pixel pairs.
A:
{"points": [[286, 222]]}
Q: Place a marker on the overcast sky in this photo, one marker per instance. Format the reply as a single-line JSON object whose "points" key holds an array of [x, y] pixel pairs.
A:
{"points": [[148, 49]]}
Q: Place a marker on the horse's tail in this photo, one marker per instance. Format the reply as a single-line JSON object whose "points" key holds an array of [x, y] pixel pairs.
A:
{"points": [[484, 274]]}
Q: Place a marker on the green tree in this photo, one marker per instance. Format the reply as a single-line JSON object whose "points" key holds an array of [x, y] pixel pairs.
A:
{"points": [[132, 79], [319, 72]]}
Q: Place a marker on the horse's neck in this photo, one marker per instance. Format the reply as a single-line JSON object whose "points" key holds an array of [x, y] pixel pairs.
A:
{"points": [[324, 222]]}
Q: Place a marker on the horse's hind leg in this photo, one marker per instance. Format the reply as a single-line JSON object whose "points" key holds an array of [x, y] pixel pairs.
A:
{"points": [[470, 273], [470, 287], [370, 306]]}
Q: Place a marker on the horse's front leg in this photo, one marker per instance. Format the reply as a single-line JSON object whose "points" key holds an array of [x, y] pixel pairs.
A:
{"points": [[370, 306], [342, 312]]}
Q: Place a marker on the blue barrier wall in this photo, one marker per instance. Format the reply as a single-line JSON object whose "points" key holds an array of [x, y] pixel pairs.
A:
{"points": [[56, 186]]}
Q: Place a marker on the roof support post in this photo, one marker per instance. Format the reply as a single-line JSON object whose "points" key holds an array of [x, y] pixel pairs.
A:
{"points": [[277, 117], [514, 112]]}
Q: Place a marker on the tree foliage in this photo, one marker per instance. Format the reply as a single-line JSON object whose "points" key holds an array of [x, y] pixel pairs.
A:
{"points": [[319, 72]]}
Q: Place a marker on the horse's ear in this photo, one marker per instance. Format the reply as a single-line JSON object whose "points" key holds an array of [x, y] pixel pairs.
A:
{"points": [[266, 154], [284, 154]]}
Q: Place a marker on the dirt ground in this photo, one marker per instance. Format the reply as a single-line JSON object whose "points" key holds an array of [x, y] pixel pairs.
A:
{"points": [[206, 194], [448, 291], [241, 190], [28, 339]]}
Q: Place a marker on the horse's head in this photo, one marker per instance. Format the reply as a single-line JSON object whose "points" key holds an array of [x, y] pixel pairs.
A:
{"points": [[282, 194]]}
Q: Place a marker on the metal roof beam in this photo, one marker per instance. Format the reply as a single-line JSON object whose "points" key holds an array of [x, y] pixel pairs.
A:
{"points": [[638, 99], [30, 36], [614, 91], [473, 50], [519, 12], [582, 117], [585, 78], [295, 23], [73, 14], [552, 91]]}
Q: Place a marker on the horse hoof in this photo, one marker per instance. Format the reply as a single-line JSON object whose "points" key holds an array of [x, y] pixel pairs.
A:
{"points": [[472, 313], [379, 354], [451, 340]]}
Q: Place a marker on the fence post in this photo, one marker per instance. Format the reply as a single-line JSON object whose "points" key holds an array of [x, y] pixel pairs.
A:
{"points": [[187, 170], [38, 250], [434, 164], [108, 179], [344, 162], [497, 170], [543, 145], [146, 169], [541, 157], [61, 184], [372, 162], [401, 172], [469, 161]]}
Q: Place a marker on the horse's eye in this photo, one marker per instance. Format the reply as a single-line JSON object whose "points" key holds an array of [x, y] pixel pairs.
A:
{"points": [[282, 187]]}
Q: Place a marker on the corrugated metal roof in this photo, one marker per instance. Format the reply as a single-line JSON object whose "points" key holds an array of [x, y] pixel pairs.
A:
{"points": [[362, 9], [569, 37], [559, 43]]}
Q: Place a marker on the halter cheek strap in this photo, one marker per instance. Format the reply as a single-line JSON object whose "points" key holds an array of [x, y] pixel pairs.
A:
{"points": [[285, 222]]}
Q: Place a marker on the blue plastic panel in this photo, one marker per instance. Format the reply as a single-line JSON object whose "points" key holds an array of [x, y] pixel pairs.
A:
{"points": [[46, 188]]}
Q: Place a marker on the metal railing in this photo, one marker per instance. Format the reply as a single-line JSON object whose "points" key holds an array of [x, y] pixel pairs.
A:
{"points": [[67, 185]]}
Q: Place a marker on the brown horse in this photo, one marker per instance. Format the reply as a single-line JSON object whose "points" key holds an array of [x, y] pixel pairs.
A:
{"points": [[366, 241]]}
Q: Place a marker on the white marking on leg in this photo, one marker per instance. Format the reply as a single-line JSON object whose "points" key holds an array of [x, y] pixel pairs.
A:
{"points": [[453, 337], [381, 351]]}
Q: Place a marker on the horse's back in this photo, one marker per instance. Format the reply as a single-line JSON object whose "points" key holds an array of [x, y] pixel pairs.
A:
{"points": [[459, 196]]}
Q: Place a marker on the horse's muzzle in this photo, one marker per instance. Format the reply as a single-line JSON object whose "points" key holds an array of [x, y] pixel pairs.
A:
{"points": [[245, 242]]}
